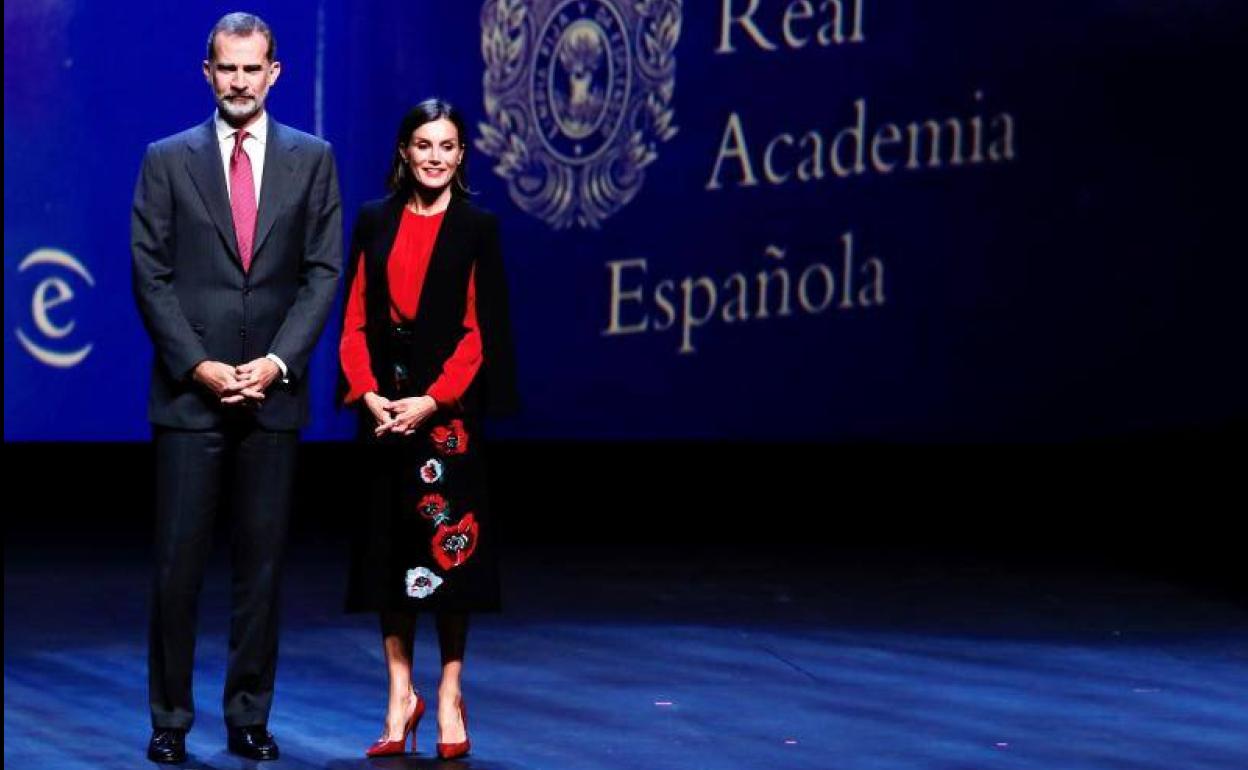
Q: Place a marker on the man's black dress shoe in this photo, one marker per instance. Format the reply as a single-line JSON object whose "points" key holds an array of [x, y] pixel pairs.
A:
{"points": [[253, 742], [167, 745]]}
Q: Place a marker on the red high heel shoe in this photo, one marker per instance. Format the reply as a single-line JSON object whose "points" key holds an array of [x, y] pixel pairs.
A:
{"points": [[457, 750], [385, 748]]}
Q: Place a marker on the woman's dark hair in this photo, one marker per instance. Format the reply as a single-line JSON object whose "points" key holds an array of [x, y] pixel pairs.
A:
{"points": [[401, 180]]}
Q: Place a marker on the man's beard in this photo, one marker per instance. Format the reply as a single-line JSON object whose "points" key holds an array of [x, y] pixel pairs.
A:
{"points": [[240, 109]]}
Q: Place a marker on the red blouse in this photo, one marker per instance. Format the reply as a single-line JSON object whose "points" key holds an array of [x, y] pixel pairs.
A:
{"points": [[405, 271]]}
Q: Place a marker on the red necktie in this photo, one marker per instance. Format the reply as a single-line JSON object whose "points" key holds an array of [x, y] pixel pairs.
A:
{"points": [[242, 199]]}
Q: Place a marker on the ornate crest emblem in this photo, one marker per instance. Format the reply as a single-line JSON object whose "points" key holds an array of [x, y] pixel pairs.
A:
{"points": [[578, 94]]}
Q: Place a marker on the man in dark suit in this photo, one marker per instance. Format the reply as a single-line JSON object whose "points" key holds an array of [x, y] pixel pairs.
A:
{"points": [[236, 243]]}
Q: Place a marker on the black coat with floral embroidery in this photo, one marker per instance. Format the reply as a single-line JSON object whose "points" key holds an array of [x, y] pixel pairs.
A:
{"points": [[425, 540]]}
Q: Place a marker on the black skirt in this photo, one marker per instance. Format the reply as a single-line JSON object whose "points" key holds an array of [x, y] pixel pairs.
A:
{"points": [[425, 539]]}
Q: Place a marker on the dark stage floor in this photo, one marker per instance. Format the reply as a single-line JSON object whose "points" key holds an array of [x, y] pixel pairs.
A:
{"points": [[775, 657]]}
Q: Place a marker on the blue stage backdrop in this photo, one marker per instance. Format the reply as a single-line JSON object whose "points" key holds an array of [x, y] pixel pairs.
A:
{"points": [[754, 219]]}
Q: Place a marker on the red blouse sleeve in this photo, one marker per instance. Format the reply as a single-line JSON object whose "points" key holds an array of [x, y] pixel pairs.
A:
{"points": [[461, 367], [353, 347]]}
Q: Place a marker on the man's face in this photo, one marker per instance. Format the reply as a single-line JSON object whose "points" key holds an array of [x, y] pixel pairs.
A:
{"points": [[240, 75]]}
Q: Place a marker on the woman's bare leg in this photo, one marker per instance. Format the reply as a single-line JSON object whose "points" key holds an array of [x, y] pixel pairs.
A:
{"points": [[452, 639], [398, 630]]}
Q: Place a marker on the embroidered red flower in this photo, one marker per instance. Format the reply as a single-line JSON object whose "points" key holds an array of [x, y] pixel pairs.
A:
{"points": [[454, 543], [450, 439], [434, 507]]}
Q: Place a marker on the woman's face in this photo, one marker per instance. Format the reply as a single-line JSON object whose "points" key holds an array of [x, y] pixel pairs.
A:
{"points": [[433, 153]]}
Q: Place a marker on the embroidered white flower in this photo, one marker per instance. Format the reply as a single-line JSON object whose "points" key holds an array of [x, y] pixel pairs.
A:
{"points": [[421, 582], [431, 471]]}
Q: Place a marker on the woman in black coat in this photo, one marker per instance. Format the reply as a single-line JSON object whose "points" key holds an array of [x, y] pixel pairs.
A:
{"points": [[426, 351]]}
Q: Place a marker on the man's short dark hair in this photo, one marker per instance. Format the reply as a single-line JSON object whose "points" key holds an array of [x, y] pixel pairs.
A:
{"points": [[242, 25]]}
